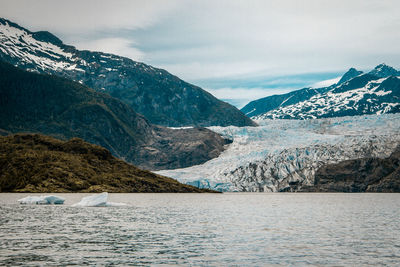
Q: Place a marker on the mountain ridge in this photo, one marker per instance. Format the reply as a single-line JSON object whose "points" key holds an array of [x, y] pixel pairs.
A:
{"points": [[356, 93], [161, 97], [350, 74], [51, 105]]}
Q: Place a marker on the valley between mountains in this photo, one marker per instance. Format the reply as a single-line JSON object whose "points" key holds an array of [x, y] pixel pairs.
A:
{"points": [[91, 121]]}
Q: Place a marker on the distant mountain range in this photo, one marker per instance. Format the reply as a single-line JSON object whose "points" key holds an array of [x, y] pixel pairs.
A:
{"points": [[161, 97], [357, 93], [51, 105]]}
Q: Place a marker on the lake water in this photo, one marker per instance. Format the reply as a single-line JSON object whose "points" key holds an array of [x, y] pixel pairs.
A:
{"points": [[205, 229]]}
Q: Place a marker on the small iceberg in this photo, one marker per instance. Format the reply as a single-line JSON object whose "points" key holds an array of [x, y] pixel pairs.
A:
{"points": [[98, 200], [42, 200]]}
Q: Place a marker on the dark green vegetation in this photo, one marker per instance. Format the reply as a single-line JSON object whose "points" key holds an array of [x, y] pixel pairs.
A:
{"points": [[360, 175], [161, 97], [38, 163], [55, 106]]}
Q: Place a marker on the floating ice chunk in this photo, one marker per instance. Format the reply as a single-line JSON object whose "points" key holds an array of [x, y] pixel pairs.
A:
{"points": [[115, 204], [42, 200], [98, 200]]}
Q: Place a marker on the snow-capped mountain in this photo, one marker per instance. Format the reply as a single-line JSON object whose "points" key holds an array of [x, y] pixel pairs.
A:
{"points": [[361, 95], [376, 92], [383, 70], [283, 155], [161, 97], [269, 103]]}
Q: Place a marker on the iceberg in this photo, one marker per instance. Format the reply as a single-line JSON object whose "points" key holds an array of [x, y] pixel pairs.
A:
{"points": [[97, 200], [42, 200]]}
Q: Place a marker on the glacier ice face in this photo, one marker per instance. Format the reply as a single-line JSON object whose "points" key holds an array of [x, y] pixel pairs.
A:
{"points": [[97, 200], [42, 200], [283, 155]]}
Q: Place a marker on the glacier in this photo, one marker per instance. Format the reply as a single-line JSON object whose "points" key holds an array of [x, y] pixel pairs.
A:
{"points": [[42, 200], [283, 155], [97, 200]]}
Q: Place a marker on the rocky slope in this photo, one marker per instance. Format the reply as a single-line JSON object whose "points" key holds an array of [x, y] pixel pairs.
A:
{"points": [[31, 102], [350, 74], [284, 155], [162, 98], [37, 163], [359, 175], [376, 92]]}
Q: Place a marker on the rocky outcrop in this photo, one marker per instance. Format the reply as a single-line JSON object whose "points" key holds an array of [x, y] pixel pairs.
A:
{"points": [[38, 163], [360, 175], [161, 97], [55, 106]]}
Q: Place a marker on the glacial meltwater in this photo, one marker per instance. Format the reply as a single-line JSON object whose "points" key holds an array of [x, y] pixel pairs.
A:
{"points": [[204, 229]]}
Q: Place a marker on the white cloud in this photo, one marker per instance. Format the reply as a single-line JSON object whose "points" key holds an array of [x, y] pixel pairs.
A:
{"points": [[77, 16], [241, 96], [117, 46], [326, 83], [202, 39]]}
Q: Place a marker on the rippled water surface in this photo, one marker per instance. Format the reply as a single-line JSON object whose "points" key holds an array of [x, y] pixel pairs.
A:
{"points": [[205, 229]]}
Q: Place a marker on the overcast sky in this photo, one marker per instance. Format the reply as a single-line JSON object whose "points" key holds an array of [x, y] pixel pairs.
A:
{"points": [[238, 50]]}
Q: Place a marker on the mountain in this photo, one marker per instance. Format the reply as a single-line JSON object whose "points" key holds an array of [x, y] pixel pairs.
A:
{"points": [[38, 163], [31, 102], [350, 74], [269, 103], [383, 70], [161, 97], [376, 92], [359, 175]]}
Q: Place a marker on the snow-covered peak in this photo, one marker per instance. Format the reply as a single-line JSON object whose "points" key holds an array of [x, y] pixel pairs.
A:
{"points": [[383, 70], [34, 49], [355, 97]]}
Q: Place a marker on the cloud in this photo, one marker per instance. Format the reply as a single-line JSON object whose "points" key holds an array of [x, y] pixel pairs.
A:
{"points": [[117, 46], [326, 83], [82, 17], [242, 41], [227, 39], [249, 89], [239, 97]]}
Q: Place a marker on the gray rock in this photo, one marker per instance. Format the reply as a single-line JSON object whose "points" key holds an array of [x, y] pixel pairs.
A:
{"points": [[360, 175]]}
